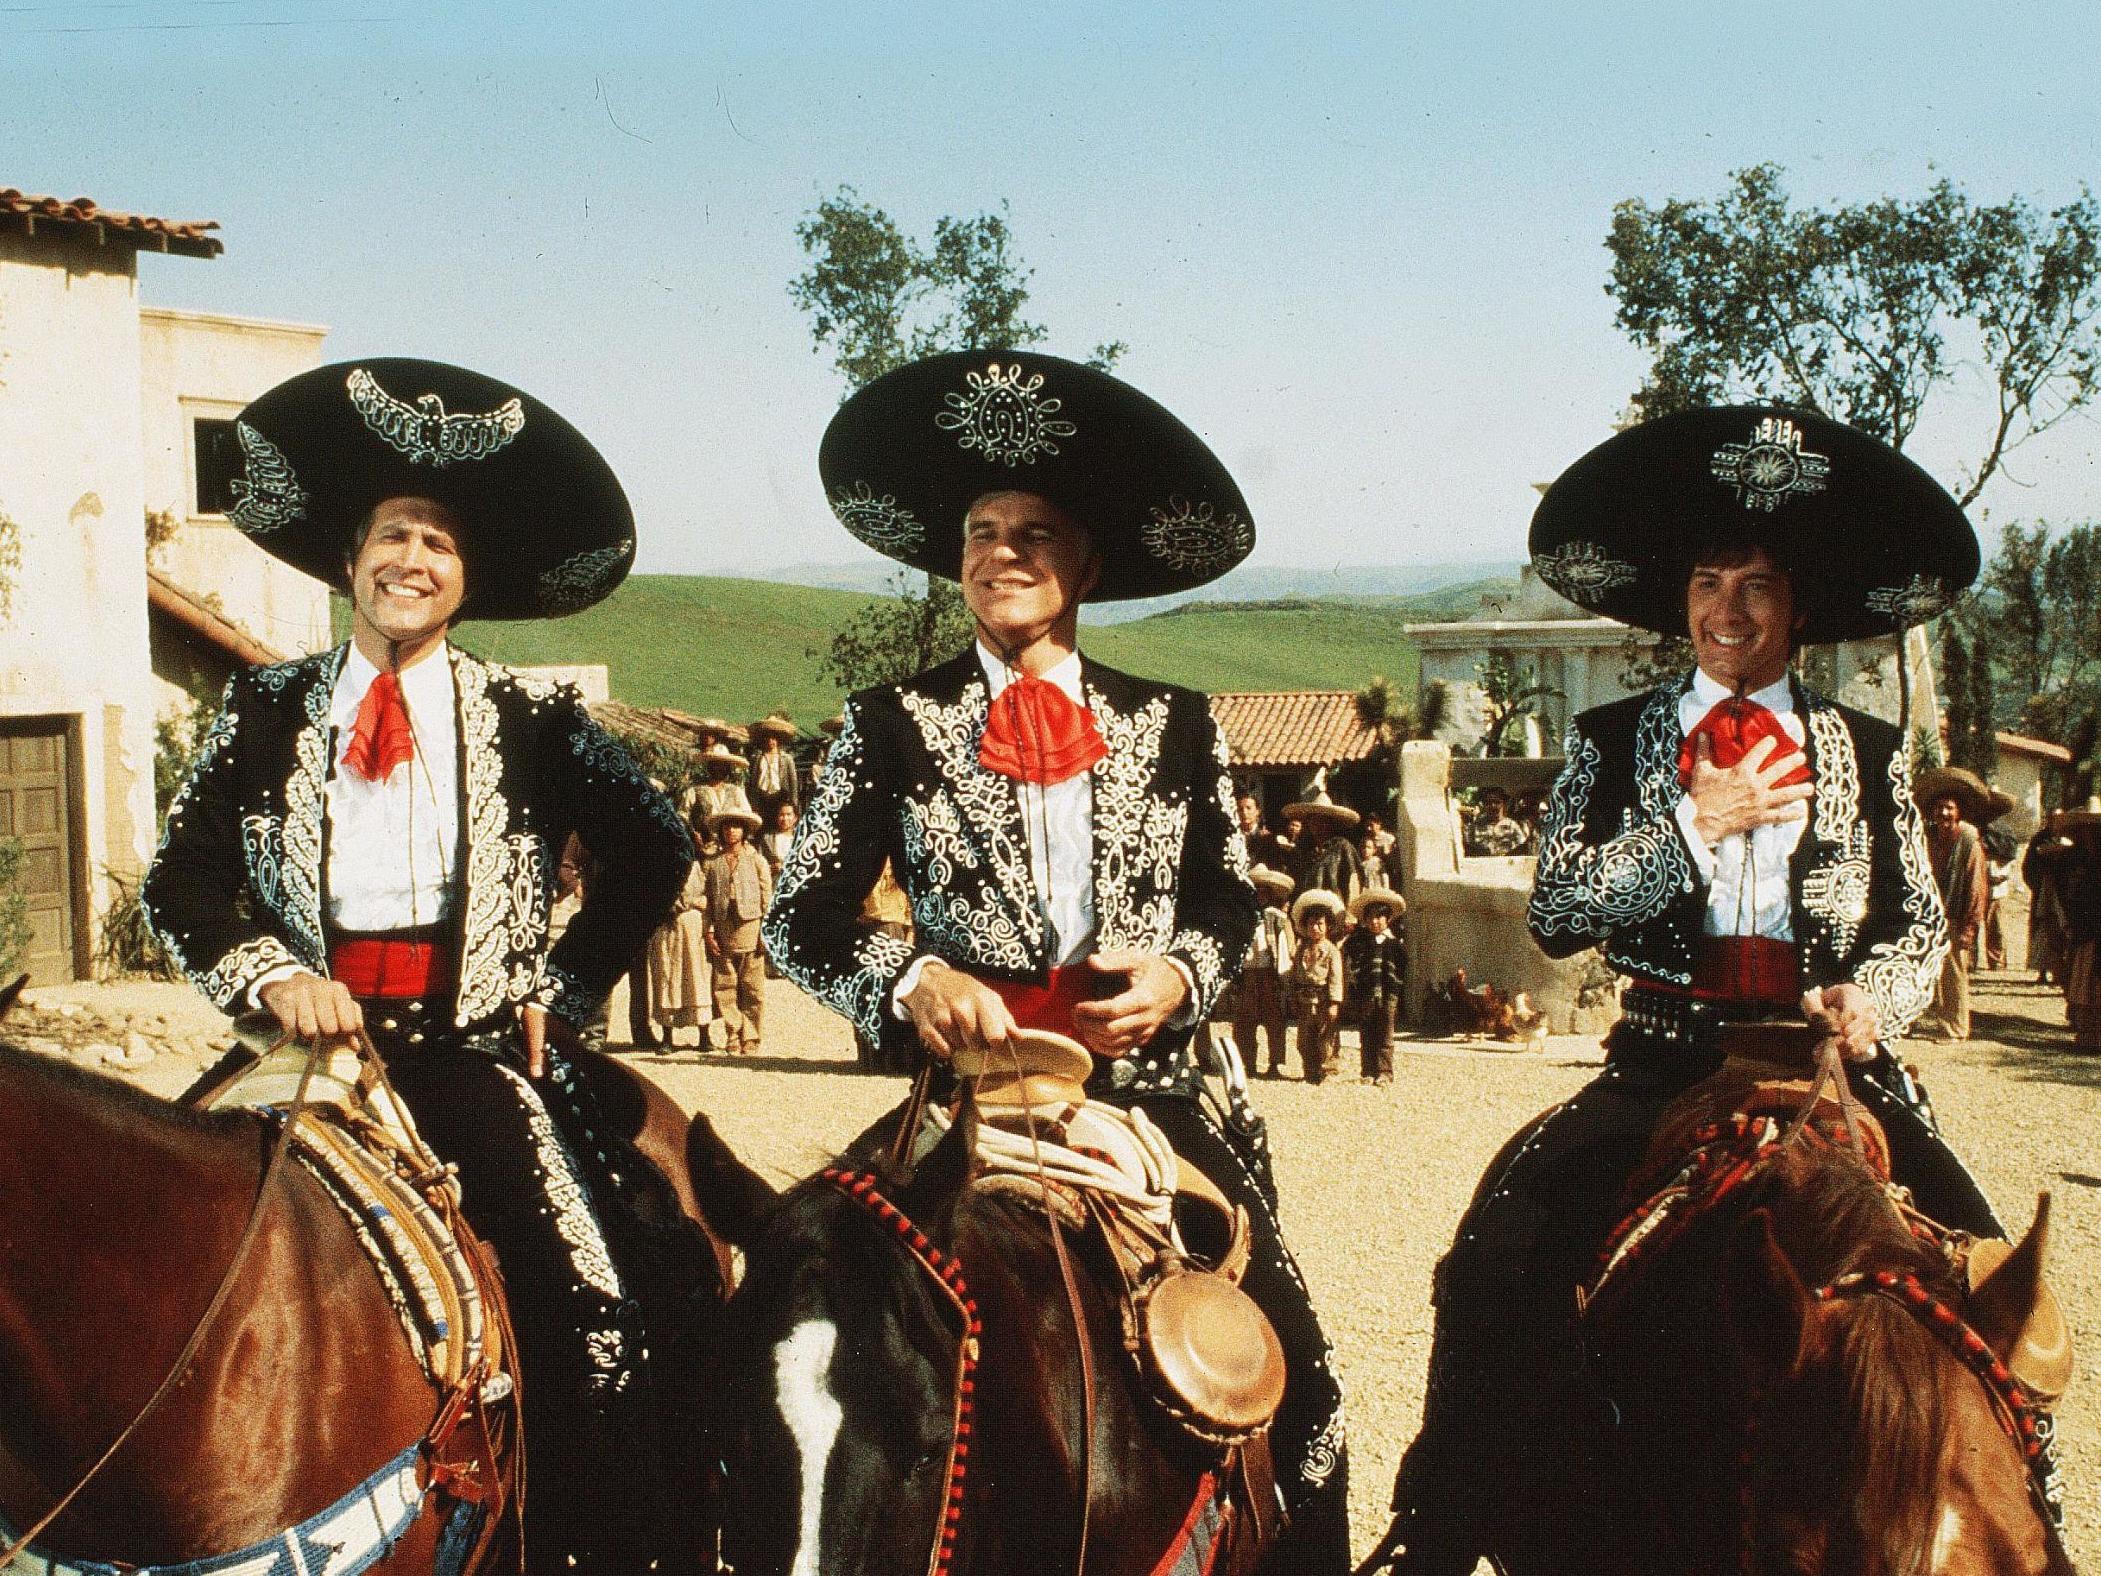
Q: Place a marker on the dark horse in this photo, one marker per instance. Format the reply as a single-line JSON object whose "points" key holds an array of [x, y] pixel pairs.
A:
{"points": [[119, 1216], [1783, 1375], [841, 1376]]}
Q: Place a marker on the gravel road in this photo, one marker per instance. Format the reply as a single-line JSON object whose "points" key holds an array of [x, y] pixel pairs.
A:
{"points": [[1374, 1179]]}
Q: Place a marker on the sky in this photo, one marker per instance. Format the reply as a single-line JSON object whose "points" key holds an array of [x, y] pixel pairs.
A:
{"points": [[1359, 248]]}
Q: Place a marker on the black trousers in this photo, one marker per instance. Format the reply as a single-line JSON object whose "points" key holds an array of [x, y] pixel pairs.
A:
{"points": [[1307, 1440], [533, 1176], [1503, 1293]]}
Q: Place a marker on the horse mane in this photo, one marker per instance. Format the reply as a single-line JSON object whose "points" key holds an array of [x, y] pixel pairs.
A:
{"points": [[1870, 1387], [102, 1089]]}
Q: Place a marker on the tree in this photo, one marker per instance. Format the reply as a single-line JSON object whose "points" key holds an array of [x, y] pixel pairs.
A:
{"points": [[921, 622], [1966, 683], [1509, 693], [879, 300], [1849, 310]]}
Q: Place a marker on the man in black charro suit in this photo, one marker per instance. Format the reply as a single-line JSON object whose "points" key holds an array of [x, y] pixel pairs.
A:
{"points": [[369, 838], [1064, 832], [1737, 845]]}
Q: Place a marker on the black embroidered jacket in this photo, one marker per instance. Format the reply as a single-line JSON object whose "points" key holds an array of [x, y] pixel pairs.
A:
{"points": [[237, 886], [903, 782], [1614, 869]]}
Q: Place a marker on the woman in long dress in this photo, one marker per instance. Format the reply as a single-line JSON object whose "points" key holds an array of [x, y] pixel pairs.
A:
{"points": [[681, 995]]}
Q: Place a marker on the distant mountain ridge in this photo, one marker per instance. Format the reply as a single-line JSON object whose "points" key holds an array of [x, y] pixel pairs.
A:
{"points": [[1251, 583]]}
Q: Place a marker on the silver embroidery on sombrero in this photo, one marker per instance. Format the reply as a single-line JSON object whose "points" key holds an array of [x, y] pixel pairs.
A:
{"points": [[424, 431], [578, 581], [1924, 597], [1583, 571], [880, 522], [266, 495], [1004, 416], [1771, 466], [1200, 538]]}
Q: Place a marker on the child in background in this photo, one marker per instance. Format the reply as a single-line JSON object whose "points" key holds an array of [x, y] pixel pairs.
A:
{"points": [[1265, 974], [1317, 983], [1375, 962]]}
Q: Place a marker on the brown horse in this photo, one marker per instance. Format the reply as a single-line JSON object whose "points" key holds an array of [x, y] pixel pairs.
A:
{"points": [[908, 1385], [119, 1217], [1786, 1375]]}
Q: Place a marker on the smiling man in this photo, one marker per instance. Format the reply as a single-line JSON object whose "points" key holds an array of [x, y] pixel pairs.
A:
{"points": [[1739, 847], [368, 842], [1065, 832]]}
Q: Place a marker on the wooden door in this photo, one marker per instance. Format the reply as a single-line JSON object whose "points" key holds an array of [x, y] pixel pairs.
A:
{"points": [[36, 807]]}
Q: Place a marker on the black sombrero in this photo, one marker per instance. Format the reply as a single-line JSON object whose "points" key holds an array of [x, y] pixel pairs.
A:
{"points": [[1873, 542], [905, 458], [547, 529]]}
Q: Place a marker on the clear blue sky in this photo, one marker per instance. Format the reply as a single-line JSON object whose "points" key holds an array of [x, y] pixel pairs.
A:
{"points": [[1358, 247]]}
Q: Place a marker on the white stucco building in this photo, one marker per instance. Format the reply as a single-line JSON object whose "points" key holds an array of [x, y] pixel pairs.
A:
{"points": [[109, 411]]}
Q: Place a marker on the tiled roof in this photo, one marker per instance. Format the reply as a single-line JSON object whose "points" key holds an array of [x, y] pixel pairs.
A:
{"points": [[200, 618], [1292, 727], [2041, 749], [28, 213]]}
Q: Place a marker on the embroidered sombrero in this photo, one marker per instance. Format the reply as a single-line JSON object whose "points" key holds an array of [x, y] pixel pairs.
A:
{"points": [[1875, 544], [905, 458], [547, 529]]}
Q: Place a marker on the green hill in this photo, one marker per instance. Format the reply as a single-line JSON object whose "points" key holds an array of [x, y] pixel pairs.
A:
{"points": [[740, 648]]}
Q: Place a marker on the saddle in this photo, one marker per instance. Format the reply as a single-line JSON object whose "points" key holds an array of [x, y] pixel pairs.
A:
{"points": [[350, 1133], [1204, 1352]]}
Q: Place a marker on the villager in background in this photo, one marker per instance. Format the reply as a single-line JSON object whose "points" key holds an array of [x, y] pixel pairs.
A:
{"points": [[1371, 860], [773, 780], [2045, 869], [989, 782], [781, 834], [1328, 856], [1375, 966], [739, 886], [680, 990], [2080, 876], [1258, 995], [1999, 852], [1955, 801], [1494, 833], [369, 840], [1317, 983], [718, 790]]}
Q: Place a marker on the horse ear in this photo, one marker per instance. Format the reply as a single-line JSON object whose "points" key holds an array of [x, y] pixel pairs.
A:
{"points": [[930, 1192], [735, 1199], [2015, 1313], [1768, 1306]]}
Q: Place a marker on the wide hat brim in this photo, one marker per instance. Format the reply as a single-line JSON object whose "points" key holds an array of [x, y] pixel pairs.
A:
{"points": [[746, 818], [1322, 809], [546, 529], [1981, 803], [780, 727], [905, 458], [1874, 544], [1377, 897], [1316, 897]]}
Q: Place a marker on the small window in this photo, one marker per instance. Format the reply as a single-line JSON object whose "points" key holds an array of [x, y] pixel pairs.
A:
{"points": [[218, 463]]}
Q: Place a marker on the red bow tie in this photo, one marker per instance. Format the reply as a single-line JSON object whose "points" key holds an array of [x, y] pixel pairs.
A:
{"points": [[1037, 733], [382, 739], [1731, 727]]}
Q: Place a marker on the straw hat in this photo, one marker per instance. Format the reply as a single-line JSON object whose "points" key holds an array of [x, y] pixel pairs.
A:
{"points": [[1267, 879], [779, 725], [722, 755], [747, 817], [1315, 897], [833, 725], [1981, 803], [1320, 805], [1382, 897]]}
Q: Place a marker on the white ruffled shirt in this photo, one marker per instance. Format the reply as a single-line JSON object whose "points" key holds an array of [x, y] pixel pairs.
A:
{"points": [[1761, 906], [1058, 822]]}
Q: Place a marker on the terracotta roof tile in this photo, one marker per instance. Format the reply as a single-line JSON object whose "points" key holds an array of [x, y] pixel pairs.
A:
{"points": [[1292, 727], [28, 213], [202, 619]]}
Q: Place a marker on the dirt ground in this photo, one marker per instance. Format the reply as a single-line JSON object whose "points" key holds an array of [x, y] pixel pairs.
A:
{"points": [[1373, 1179]]}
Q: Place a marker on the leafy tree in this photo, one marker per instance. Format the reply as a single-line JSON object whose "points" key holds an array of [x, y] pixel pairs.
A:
{"points": [[1381, 709], [923, 621], [1849, 310], [1509, 693], [1966, 683], [878, 299]]}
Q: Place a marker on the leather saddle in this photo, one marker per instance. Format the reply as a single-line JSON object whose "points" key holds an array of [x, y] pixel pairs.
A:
{"points": [[1204, 1352]]}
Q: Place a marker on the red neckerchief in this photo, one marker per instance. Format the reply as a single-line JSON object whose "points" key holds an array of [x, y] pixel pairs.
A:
{"points": [[1039, 734], [382, 739], [1731, 727]]}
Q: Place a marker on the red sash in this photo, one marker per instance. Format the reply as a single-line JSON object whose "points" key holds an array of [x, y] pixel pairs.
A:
{"points": [[380, 966]]}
